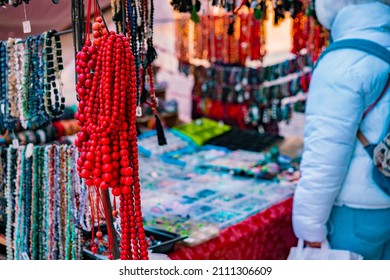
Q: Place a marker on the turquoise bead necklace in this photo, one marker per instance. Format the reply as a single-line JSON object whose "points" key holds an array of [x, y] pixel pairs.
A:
{"points": [[35, 205], [41, 187]]}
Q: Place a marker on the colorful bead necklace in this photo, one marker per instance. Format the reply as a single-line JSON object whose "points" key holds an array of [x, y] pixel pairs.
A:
{"points": [[11, 176], [31, 105], [14, 79], [35, 205], [52, 70], [19, 219]]}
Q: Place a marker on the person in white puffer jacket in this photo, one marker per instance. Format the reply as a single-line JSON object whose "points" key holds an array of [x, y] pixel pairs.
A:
{"points": [[336, 197]]}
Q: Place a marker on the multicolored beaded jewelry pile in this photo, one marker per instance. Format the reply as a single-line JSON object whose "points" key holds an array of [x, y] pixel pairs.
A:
{"points": [[45, 208], [212, 41], [30, 74], [307, 33], [238, 35], [229, 88]]}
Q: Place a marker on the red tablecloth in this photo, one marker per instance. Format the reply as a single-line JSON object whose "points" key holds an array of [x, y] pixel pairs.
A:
{"points": [[267, 235]]}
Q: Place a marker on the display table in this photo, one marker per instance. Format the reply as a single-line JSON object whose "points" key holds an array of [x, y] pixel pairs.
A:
{"points": [[267, 235]]}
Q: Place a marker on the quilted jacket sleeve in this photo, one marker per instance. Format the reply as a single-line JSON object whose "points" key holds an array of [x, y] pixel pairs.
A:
{"points": [[334, 109]]}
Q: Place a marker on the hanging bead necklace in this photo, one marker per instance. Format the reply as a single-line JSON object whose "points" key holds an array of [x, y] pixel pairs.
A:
{"points": [[45, 205], [108, 140], [31, 107], [53, 68], [11, 176], [23, 99], [18, 66], [3, 86], [27, 204], [133, 25], [58, 245], [117, 18], [13, 53], [63, 185], [53, 214], [68, 205], [37, 110], [46, 202], [19, 203], [36, 204]]}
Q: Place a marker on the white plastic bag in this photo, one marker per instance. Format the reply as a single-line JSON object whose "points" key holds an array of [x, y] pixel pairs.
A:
{"points": [[324, 253], [157, 256]]}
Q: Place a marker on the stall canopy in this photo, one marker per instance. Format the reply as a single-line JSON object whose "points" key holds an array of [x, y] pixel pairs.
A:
{"points": [[44, 15]]}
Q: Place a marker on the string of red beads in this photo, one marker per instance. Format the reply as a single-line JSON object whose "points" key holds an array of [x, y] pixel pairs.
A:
{"points": [[107, 142]]}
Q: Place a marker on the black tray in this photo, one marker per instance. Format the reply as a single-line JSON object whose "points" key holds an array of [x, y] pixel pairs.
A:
{"points": [[249, 140], [168, 241]]}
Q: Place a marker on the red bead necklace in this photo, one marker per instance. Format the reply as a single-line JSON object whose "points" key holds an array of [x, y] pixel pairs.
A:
{"points": [[107, 142]]}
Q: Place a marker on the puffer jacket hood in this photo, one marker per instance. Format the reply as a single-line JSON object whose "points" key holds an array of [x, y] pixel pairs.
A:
{"points": [[326, 10]]}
